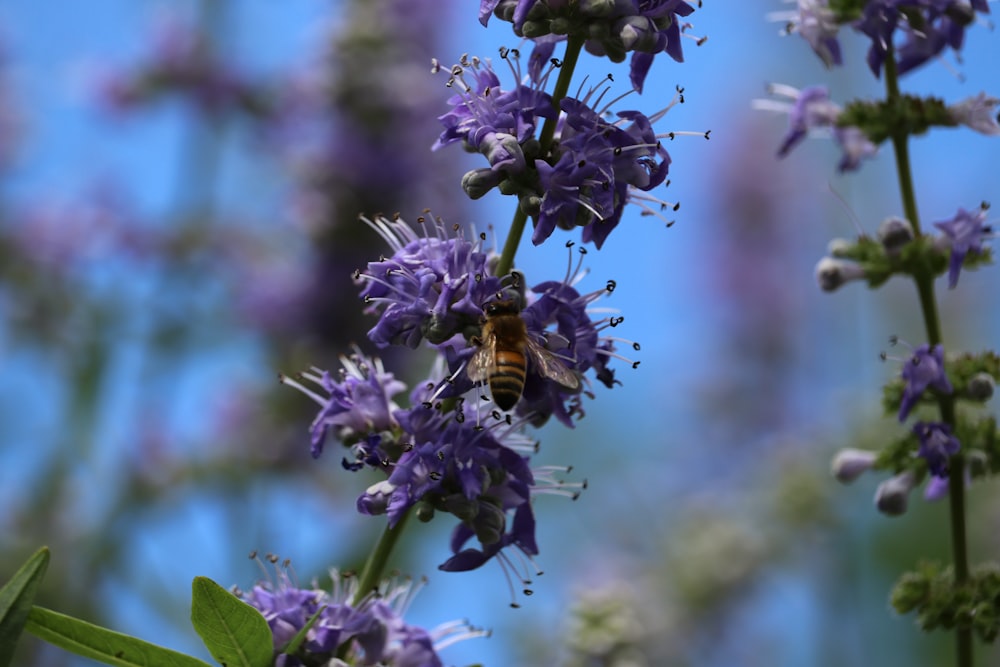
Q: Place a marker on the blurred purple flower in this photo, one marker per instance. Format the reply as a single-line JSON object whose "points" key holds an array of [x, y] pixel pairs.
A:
{"points": [[927, 28], [965, 234], [937, 444], [811, 109], [181, 61], [924, 369]]}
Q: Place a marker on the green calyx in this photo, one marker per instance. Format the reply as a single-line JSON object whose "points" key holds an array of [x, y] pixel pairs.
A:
{"points": [[931, 592], [905, 116]]}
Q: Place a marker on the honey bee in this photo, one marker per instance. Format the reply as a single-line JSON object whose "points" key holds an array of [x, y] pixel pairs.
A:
{"points": [[505, 353]]}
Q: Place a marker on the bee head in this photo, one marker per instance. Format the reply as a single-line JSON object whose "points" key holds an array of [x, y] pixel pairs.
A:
{"points": [[500, 307]]}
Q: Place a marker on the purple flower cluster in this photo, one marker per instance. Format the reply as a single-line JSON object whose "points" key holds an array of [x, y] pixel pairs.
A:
{"points": [[369, 631], [916, 30], [584, 179], [441, 461], [610, 29]]}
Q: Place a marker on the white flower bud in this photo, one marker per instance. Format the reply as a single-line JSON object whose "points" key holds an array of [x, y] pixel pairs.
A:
{"points": [[848, 464], [377, 497], [837, 247], [832, 273], [892, 495], [894, 233], [981, 386]]}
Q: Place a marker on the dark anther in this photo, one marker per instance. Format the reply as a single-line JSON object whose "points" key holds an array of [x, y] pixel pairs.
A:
{"points": [[635, 346], [635, 364], [570, 244], [707, 132], [504, 51], [611, 286], [893, 340], [427, 405], [615, 321], [882, 355], [460, 417], [556, 62]]}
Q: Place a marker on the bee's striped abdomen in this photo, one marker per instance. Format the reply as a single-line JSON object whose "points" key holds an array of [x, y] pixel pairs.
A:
{"points": [[507, 378]]}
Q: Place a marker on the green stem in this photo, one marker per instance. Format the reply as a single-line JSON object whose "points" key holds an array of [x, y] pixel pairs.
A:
{"points": [[573, 47], [374, 568], [932, 324]]}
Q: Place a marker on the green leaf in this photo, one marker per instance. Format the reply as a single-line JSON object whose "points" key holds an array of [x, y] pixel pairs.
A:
{"points": [[235, 633], [16, 598], [101, 644]]}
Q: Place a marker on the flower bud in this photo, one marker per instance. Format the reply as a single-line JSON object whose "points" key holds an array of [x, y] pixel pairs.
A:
{"points": [[478, 182], [980, 387], [892, 495], [848, 464], [838, 247], [832, 273], [376, 498], [894, 233]]}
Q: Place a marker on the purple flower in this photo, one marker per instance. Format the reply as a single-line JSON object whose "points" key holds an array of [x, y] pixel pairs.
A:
{"points": [[357, 406], [965, 234], [596, 169], [816, 22], [924, 369], [432, 287], [977, 113], [936, 444], [811, 109], [490, 120], [372, 629], [936, 489], [927, 27]]}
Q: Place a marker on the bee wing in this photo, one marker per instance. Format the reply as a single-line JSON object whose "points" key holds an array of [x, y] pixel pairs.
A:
{"points": [[482, 360], [550, 366]]}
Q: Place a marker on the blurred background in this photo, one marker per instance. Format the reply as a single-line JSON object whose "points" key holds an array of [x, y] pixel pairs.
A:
{"points": [[179, 188]]}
